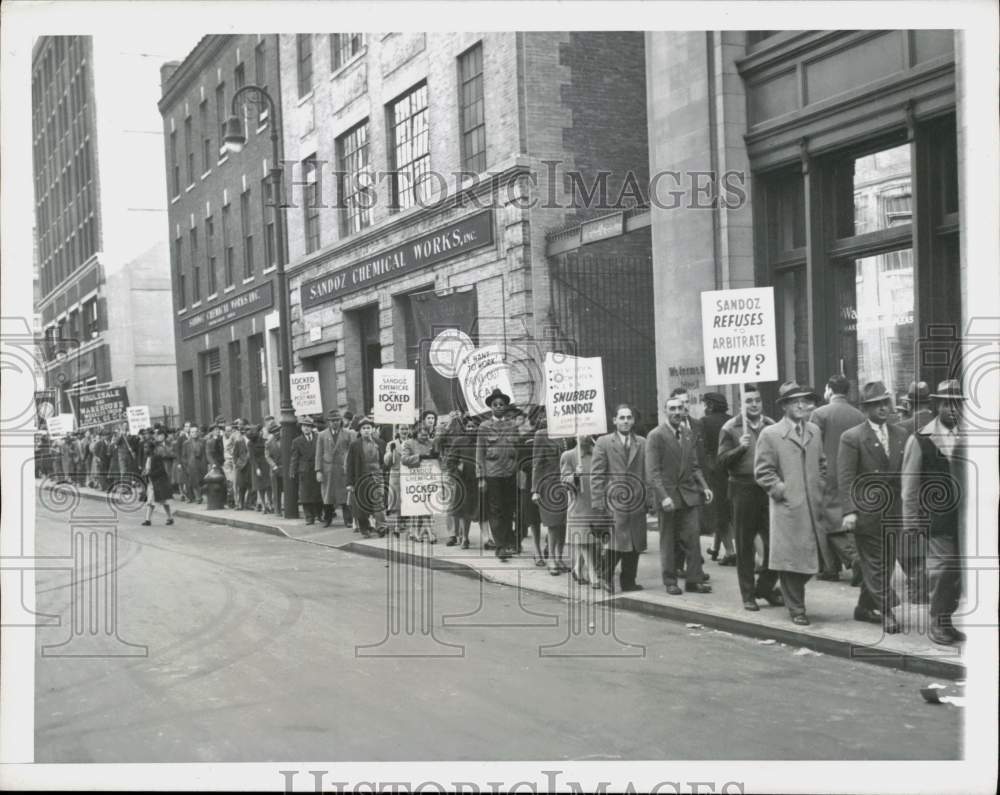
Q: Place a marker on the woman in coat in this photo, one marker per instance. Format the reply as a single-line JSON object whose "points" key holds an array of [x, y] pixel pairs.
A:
{"points": [[549, 494], [157, 472], [415, 450], [459, 466], [585, 528], [392, 460], [260, 472]]}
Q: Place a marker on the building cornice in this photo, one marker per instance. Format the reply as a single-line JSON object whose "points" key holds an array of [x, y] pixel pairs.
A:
{"points": [[191, 68]]}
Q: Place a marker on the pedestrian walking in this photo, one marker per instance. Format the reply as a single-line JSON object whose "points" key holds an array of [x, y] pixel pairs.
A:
{"points": [[158, 460], [549, 494], [497, 441], [393, 460], [586, 529], [737, 449], [717, 516], [790, 465], [416, 449], [260, 473], [618, 490], [302, 466], [869, 463], [679, 490], [272, 455], [934, 488], [364, 479], [331, 462], [459, 465]]}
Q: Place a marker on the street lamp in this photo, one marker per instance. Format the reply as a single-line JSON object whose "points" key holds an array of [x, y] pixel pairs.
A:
{"points": [[234, 139]]}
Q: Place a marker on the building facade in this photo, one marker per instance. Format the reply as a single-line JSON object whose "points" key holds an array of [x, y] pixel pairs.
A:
{"points": [[222, 237], [849, 145], [99, 215], [425, 172]]}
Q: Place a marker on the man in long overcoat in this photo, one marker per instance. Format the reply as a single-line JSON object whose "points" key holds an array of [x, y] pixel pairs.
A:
{"points": [[868, 470], [618, 488], [790, 465], [331, 458], [303, 467], [195, 463], [833, 419]]}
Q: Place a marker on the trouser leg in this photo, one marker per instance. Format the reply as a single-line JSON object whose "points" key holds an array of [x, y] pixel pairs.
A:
{"points": [[630, 568], [793, 588], [688, 529], [668, 546], [844, 543], [945, 574]]}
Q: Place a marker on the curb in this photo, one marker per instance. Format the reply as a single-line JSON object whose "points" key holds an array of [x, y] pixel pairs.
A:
{"points": [[909, 663]]}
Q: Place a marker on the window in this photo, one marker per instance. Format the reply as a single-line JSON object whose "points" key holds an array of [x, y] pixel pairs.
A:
{"points": [[343, 47], [260, 79], [206, 137], [210, 255], [91, 324], [175, 169], [235, 379], [355, 176], [189, 149], [74, 325], [310, 202], [410, 147], [211, 383], [221, 113], [303, 43], [178, 269], [267, 213], [227, 248], [239, 77], [195, 266], [472, 121], [247, 226]]}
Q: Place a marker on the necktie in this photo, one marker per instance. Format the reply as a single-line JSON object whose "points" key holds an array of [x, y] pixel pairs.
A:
{"points": [[677, 433], [883, 438], [627, 443]]}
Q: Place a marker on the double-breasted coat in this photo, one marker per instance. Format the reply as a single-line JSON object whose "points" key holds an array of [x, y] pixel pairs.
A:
{"points": [[331, 462], [618, 486], [673, 469], [791, 470], [869, 476], [302, 465]]}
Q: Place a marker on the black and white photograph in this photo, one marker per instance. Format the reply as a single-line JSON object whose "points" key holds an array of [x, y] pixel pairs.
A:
{"points": [[500, 397]]}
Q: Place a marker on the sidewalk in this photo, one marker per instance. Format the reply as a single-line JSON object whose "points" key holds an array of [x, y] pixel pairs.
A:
{"points": [[830, 604]]}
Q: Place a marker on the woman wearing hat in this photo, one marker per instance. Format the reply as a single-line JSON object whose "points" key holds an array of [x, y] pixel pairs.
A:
{"points": [[364, 479], [157, 472], [393, 460], [416, 449], [460, 465]]}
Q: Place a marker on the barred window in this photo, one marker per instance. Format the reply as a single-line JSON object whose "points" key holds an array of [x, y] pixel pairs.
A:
{"points": [[343, 47], [410, 147], [472, 117], [355, 175]]}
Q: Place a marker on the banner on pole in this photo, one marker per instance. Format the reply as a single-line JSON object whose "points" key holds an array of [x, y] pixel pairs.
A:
{"points": [[138, 418], [60, 424], [395, 396], [305, 393], [45, 406], [738, 335], [574, 396], [479, 373], [421, 491], [100, 407]]}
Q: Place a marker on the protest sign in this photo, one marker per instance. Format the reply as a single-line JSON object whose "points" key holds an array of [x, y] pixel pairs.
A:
{"points": [[395, 396], [60, 425], [480, 372], [420, 489], [574, 396], [305, 393], [45, 406], [100, 407], [138, 418], [738, 334]]}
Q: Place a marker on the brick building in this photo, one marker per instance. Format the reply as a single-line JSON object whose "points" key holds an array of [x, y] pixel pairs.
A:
{"points": [[221, 233], [850, 147], [390, 242], [99, 214]]}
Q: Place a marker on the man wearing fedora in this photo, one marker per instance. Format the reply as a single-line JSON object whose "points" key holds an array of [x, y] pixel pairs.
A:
{"points": [[302, 466], [933, 488], [790, 465], [497, 443], [869, 461], [331, 458], [920, 414]]}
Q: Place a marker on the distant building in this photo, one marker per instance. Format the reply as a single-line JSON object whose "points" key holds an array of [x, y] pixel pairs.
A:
{"points": [[99, 221], [223, 248]]}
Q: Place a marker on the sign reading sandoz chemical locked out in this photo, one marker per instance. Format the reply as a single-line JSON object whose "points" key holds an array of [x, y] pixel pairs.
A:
{"points": [[246, 303], [395, 396], [449, 241]]}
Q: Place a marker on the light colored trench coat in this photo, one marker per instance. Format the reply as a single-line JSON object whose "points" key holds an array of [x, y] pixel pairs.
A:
{"points": [[331, 459]]}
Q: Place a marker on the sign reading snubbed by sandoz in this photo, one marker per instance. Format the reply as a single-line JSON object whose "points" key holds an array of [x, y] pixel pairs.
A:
{"points": [[449, 241]]}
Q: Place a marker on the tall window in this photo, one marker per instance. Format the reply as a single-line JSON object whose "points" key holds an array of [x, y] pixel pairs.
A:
{"points": [[472, 120], [179, 269], [235, 378], [267, 213], [210, 255], [91, 319], [195, 266], [260, 79], [247, 226], [355, 176], [303, 44], [410, 147], [206, 137], [175, 169], [227, 247], [189, 149], [310, 202], [239, 77], [220, 115], [343, 47]]}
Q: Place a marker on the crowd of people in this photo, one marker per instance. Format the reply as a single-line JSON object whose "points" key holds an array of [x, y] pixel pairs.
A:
{"points": [[821, 489]]}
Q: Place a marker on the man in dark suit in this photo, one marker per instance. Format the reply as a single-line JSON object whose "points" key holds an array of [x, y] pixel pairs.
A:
{"points": [[833, 419], [869, 463], [697, 429], [679, 489], [302, 466], [618, 488]]}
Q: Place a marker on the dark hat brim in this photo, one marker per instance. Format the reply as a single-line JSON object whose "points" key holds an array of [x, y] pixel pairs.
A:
{"points": [[797, 394]]}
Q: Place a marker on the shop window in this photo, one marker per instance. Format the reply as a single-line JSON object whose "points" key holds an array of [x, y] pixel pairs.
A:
{"points": [[876, 187]]}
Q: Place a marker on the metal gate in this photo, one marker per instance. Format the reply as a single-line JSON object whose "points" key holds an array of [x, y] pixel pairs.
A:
{"points": [[602, 298]]}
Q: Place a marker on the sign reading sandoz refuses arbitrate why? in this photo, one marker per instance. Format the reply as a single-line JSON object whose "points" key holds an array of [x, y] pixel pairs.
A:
{"points": [[738, 335]]}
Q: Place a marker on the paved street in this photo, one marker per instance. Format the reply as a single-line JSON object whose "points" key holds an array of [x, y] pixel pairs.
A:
{"points": [[252, 657]]}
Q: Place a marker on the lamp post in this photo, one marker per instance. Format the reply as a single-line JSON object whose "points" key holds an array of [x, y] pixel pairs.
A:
{"points": [[234, 140]]}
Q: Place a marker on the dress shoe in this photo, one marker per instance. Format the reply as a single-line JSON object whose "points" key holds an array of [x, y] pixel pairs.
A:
{"points": [[801, 620], [856, 576], [868, 616], [713, 554], [775, 599], [890, 625], [632, 587], [146, 523], [940, 635], [698, 587], [728, 560], [451, 541], [465, 544], [751, 605], [310, 521], [957, 634], [326, 523], [489, 544], [673, 590], [829, 576]]}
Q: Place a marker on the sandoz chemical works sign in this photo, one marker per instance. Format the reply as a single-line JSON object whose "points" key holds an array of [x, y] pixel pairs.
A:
{"points": [[450, 241]]}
